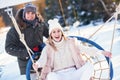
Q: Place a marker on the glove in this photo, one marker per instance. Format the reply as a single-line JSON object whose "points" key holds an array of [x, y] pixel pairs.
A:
{"points": [[36, 49]]}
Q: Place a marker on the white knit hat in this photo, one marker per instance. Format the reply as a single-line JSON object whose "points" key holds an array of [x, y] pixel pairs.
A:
{"points": [[53, 24]]}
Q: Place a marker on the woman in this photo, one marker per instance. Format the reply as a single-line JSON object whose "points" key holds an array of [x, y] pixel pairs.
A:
{"points": [[61, 59], [33, 27]]}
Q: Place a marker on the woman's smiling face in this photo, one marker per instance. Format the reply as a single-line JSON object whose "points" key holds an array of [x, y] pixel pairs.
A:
{"points": [[30, 16], [56, 34]]}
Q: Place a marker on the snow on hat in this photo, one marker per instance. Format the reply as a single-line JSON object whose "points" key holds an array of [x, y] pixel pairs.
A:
{"points": [[53, 24]]}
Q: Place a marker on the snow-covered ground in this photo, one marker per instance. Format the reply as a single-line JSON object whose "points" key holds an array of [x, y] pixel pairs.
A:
{"points": [[9, 67]]}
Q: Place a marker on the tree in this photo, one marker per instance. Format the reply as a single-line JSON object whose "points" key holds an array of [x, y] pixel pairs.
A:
{"points": [[84, 11]]}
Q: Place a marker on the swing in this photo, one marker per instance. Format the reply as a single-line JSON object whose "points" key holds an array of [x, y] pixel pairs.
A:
{"points": [[86, 41]]}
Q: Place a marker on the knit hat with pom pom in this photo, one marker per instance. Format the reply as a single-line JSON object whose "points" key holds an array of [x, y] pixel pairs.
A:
{"points": [[53, 24]]}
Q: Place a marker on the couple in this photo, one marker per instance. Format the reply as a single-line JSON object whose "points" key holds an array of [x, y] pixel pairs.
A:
{"points": [[60, 58]]}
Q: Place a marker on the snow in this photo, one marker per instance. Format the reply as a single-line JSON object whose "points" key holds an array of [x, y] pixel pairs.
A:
{"points": [[8, 64], [7, 3]]}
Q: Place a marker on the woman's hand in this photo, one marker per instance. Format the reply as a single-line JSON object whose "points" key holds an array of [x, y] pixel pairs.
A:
{"points": [[35, 66], [107, 54]]}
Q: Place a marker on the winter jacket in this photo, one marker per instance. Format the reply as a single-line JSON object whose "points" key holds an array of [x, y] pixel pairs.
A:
{"points": [[47, 59], [33, 37]]}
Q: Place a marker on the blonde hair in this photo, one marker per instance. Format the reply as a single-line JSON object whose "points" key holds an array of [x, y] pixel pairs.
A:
{"points": [[51, 43]]}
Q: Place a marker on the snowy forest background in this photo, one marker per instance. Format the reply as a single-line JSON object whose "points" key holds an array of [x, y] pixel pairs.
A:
{"points": [[78, 17]]}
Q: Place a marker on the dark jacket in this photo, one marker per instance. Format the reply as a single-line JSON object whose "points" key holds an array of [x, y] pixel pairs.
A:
{"points": [[33, 37]]}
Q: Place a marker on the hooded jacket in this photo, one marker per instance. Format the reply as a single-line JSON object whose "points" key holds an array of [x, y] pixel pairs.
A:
{"points": [[33, 36]]}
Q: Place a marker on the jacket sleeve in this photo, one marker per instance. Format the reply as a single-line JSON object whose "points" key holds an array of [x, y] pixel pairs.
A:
{"points": [[92, 51], [12, 45], [43, 58]]}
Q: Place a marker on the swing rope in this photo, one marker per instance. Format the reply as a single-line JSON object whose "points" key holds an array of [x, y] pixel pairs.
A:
{"points": [[100, 27], [113, 34], [115, 15], [21, 36], [61, 8]]}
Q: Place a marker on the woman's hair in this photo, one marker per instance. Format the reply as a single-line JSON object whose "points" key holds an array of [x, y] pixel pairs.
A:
{"points": [[51, 43], [19, 19]]}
